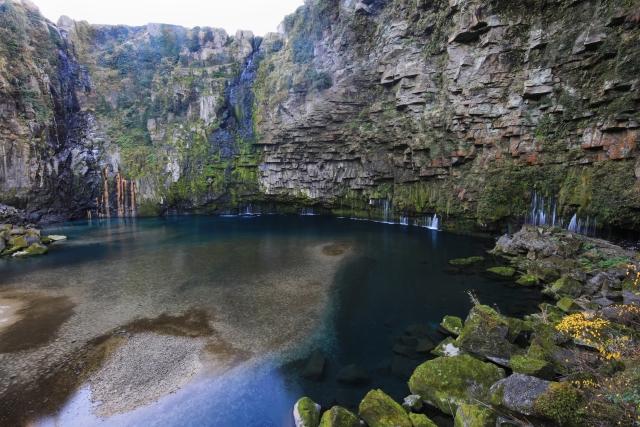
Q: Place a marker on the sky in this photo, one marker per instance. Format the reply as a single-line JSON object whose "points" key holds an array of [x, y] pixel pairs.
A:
{"points": [[259, 16]]}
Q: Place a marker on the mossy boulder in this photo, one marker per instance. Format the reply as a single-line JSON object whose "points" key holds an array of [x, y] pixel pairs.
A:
{"points": [[518, 393], [448, 382], [452, 324], [532, 367], [421, 420], [528, 280], [306, 413], [551, 345], [486, 332], [339, 417], [502, 271], [447, 348], [379, 410], [568, 306], [412, 403], [563, 403], [45, 240], [18, 242], [475, 416], [567, 286], [544, 270], [463, 262]]}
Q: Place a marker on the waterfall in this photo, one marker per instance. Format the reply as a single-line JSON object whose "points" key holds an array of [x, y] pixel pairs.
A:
{"points": [[432, 223], [404, 220], [308, 210], [573, 224], [542, 212], [586, 227]]}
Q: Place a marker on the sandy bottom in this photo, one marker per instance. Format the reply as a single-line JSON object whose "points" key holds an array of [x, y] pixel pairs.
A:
{"points": [[8, 309]]}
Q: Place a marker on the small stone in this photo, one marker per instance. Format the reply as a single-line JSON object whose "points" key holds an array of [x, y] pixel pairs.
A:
{"points": [[425, 346], [528, 280], [315, 366], [306, 413], [353, 375]]}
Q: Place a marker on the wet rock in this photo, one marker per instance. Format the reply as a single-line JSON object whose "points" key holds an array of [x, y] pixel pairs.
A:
{"points": [[502, 271], [449, 381], [421, 420], [475, 416], [532, 367], [420, 330], [57, 238], [518, 393], [339, 417], [528, 280], [18, 242], [306, 413], [425, 346], [383, 367], [568, 306], [346, 398], [404, 350], [452, 324], [403, 367], [409, 341], [315, 366], [353, 375], [463, 262], [379, 410], [33, 250]]}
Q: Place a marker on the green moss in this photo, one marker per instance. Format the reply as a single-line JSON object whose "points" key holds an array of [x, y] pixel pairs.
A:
{"points": [[309, 415], [466, 261], [421, 420], [528, 280], [18, 242], [450, 381], [502, 271], [475, 415], [532, 367], [567, 286], [488, 333], [568, 306], [452, 324], [339, 417], [563, 403], [379, 410], [36, 249]]}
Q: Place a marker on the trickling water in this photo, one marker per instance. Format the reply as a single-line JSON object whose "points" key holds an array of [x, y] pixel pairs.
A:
{"points": [[542, 211], [404, 220]]}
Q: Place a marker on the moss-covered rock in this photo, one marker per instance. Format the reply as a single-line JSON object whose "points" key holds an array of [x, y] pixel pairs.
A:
{"points": [[532, 367], [486, 332], [463, 262], [339, 417], [528, 280], [306, 413], [447, 348], [18, 242], [551, 345], [502, 271], [36, 249], [452, 324], [518, 393], [379, 410], [475, 416], [567, 286], [412, 403], [421, 420], [568, 306], [448, 382], [544, 270], [562, 403]]}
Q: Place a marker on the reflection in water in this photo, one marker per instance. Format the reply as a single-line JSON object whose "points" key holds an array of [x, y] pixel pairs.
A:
{"points": [[263, 292]]}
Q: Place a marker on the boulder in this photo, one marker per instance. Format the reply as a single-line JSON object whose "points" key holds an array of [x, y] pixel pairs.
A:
{"points": [[544, 270], [448, 382], [567, 286], [353, 375], [18, 242], [452, 324], [463, 262], [404, 350], [488, 333], [33, 250], [315, 366], [306, 413], [57, 238], [421, 420], [502, 271], [533, 367], [528, 280], [518, 393], [379, 410], [425, 346], [475, 416], [339, 417], [447, 348]]}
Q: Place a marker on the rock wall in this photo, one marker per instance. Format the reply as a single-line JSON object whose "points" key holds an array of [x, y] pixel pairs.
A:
{"points": [[461, 108]]}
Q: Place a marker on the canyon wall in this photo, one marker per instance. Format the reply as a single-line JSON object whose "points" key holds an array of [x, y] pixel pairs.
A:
{"points": [[462, 108]]}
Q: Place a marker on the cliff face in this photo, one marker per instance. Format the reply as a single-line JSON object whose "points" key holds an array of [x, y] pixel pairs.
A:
{"points": [[461, 108]]}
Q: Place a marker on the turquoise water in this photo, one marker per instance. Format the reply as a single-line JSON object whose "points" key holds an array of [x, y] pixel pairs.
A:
{"points": [[272, 290]]}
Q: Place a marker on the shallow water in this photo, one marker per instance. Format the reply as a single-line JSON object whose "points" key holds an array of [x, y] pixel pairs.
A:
{"points": [[271, 289]]}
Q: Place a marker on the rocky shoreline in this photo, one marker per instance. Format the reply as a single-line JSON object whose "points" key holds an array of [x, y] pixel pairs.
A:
{"points": [[574, 363], [24, 241]]}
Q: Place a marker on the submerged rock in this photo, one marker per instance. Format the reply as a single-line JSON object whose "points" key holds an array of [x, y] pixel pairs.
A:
{"points": [[463, 262], [306, 413], [339, 417], [528, 280], [425, 346], [448, 382], [379, 410], [503, 271], [353, 375], [475, 416], [315, 366]]}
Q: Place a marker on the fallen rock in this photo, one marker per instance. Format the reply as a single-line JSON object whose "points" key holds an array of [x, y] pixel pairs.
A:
{"points": [[463, 262], [339, 417], [567, 286], [533, 367], [421, 420], [488, 333], [452, 324], [306, 413], [528, 280], [413, 403], [315, 366], [353, 375], [448, 382], [379, 410], [502, 271]]}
